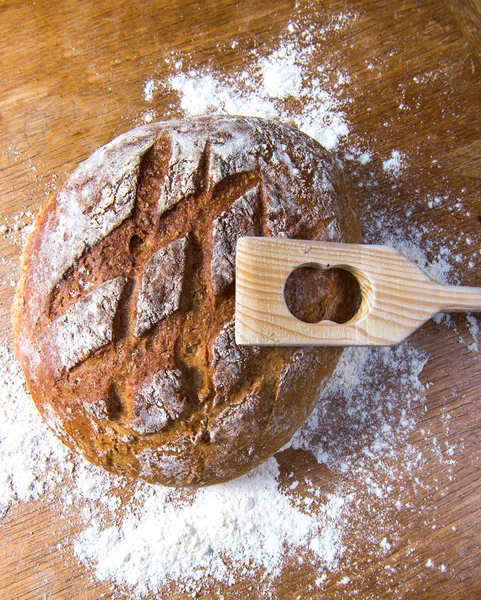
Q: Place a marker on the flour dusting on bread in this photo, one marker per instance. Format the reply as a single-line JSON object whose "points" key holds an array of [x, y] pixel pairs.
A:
{"points": [[233, 223], [98, 197], [157, 402], [85, 327], [161, 285]]}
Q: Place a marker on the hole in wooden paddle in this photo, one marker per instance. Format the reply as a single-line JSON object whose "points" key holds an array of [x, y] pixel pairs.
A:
{"points": [[314, 294]]}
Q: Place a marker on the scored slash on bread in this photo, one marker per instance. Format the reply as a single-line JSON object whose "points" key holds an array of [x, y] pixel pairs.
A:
{"points": [[130, 269]]}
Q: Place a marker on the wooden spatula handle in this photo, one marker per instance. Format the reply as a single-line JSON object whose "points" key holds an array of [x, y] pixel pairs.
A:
{"points": [[461, 298]]}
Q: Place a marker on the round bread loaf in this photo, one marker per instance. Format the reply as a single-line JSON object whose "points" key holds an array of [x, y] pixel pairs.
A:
{"points": [[124, 315]]}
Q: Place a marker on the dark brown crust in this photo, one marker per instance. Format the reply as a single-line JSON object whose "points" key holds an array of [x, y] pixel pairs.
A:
{"points": [[231, 420]]}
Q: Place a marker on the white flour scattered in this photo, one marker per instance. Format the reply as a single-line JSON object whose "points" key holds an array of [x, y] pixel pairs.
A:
{"points": [[473, 329], [221, 531], [281, 74], [369, 414], [362, 157], [394, 165], [27, 446], [321, 117], [260, 91], [149, 89]]}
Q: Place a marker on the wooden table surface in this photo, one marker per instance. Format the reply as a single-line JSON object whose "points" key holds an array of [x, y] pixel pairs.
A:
{"points": [[73, 76]]}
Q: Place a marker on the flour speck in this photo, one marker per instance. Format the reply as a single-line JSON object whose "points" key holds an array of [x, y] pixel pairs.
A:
{"points": [[395, 164]]}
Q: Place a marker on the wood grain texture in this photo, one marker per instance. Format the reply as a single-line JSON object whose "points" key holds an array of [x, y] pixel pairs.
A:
{"points": [[468, 16], [396, 296], [73, 75]]}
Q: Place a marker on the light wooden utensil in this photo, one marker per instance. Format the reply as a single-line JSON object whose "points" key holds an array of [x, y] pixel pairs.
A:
{"points": [[397, 297]]}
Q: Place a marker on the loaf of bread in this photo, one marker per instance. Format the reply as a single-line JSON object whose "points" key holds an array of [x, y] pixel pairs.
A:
{"points": [[124, 315]]}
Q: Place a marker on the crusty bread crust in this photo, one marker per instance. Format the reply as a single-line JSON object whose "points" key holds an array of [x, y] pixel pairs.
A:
{"points": [[123, 317]]}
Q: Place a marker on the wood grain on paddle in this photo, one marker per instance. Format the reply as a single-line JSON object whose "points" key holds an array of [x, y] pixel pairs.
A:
{"points": [[396, 296]]}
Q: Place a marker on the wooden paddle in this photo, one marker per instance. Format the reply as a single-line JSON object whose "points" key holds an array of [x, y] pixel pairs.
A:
{"points": [[397, 297]]}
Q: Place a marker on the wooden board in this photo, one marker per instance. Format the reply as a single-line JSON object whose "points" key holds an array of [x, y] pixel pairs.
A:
{"points": [[396, 296], [72, 77]]}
